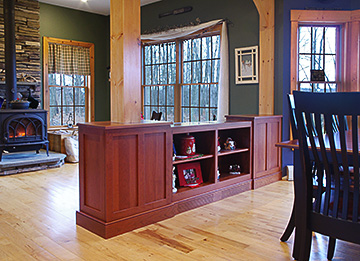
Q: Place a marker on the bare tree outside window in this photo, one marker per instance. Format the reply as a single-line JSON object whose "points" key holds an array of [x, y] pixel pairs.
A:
{"points": [[318, 51], [67, 99], [182, 76]]}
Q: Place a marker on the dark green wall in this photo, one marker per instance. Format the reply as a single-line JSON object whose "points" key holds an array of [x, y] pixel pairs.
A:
{"points": [[243, 32], [76, 25]]}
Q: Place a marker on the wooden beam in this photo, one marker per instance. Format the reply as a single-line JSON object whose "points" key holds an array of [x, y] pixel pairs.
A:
{"points": [[266, 9], [352, 57], [320, 16], [294, 56], [125, 60]]}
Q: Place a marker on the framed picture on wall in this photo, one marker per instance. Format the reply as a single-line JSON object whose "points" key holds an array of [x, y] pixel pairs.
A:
{"points": [[189, 174], [246, 65]]}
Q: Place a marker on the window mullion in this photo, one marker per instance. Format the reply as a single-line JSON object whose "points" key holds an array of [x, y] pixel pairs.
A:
{"points": [[324, 56], [201, 78], [311, 56], [178, 81]]}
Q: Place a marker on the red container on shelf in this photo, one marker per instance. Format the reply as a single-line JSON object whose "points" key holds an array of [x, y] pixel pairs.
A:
{"points": [[187, 145]]}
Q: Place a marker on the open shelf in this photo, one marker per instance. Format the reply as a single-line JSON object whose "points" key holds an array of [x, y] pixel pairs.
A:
{"points": [[184, 189], [228, 152], [180, 161], [226, 176]]}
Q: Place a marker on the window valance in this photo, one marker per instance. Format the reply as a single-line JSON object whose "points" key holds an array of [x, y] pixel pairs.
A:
{"points": [[179, 32], [66, 59]]}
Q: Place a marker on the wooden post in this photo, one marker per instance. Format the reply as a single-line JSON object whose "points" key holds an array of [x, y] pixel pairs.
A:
{"points": [[266, 9], [125, 60], [353, 77]]}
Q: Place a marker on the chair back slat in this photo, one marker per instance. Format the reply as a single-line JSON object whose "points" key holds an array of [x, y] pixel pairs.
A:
{"points": [[334, 165], [345, 178], [355, 145]]}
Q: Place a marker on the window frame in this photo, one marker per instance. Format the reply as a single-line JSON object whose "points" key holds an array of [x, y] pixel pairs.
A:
{"points": [[338, 55], [349, 47], [215, 30], [89, 91]]}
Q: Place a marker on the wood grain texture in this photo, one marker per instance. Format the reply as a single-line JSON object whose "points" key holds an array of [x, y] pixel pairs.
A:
{"points": [[353, 77], [320, 16], [266, 158], [114, 170], [37, 222], [127, 183], [266, 9], [294, 56], [125, 60]]}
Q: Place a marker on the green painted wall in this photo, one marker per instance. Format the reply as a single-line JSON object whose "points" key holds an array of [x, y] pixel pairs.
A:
{"points": [[244, 31], [76, 25]]}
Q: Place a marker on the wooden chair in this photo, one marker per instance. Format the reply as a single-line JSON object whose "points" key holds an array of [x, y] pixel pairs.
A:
{"points": [[291, 224], [156, 116], [294, 129], [335, 211]]}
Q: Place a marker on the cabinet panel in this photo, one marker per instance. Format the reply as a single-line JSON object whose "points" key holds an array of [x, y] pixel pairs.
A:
{"points": [[266, 157], [155, 167], [273, 138], [125, 172], [93, 183], [260, 149]]}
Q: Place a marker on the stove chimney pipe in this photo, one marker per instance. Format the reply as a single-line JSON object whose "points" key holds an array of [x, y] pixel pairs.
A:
{"points": [[10, 51]]}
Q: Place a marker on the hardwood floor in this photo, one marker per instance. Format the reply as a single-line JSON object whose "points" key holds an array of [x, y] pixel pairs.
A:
{"points": [[37, 222]]}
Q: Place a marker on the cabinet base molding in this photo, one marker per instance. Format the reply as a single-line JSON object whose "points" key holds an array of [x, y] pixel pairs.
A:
{"points": [[263, 181], [110, 229], [120, 226]]}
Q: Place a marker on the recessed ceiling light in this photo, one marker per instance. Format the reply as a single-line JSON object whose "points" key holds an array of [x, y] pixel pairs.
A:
{"points": [[84, 1]]}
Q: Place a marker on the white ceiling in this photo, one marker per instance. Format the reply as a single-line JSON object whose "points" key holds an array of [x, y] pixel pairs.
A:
{"points": [[92, 6]]}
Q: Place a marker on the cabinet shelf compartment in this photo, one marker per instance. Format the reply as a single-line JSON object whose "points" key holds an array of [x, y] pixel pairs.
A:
{"points": [[179, 161], [240, 136], [207, 169], [242, 159], [204, 141]]}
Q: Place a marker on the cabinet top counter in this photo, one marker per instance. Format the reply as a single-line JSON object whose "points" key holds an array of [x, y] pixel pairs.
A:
{"points": [[182, 127], [119, 125], [251, 117], [176, 127]]}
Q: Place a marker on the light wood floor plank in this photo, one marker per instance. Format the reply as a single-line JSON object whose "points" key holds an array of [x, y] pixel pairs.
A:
{"points": [[37, 222]]}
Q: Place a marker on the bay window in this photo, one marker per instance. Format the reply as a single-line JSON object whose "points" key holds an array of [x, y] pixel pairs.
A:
{"points": [[181, 76]]}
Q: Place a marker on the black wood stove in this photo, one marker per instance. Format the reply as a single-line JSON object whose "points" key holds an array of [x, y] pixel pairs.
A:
{"points": [[21, 130]]}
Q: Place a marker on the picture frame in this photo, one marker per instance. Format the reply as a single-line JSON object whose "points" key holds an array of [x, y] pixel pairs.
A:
{"points": [[246, 65], [317, 75], [189, 174]]}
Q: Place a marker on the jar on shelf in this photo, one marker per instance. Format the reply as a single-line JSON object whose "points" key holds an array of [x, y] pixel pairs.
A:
{"points": [[187, 145]]}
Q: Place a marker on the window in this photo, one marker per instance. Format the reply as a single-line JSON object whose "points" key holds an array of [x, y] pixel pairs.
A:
{"points": [[329, 41], [181, 78], [200, 78], [318, 53], [68, 81], [67, 98], [159, 78]]}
